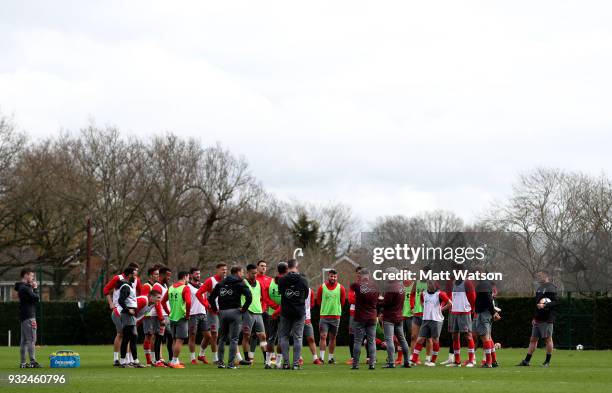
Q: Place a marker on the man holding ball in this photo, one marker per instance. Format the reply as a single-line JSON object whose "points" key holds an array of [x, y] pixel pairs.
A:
{"points": [[543, 319]]}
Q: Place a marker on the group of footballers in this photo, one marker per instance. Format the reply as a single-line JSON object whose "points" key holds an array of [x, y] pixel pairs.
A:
{"points": [[273, 312]]}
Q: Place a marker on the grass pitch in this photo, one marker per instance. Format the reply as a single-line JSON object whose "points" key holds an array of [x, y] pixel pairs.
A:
{"points": [[571, 371]]}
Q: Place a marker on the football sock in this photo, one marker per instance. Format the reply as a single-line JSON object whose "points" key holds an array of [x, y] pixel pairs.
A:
{"points": [[147, 349], [457, 349], [471, 350], [417, 350], [434, 352], [487, 351]]}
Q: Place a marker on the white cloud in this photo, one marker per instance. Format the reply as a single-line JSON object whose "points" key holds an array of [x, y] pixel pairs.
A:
{"points": [[393, 107]]}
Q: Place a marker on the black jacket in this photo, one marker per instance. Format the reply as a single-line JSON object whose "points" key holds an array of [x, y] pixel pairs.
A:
{"points": [[293, 288], [28, 298], [229, 293], [548, 313]]}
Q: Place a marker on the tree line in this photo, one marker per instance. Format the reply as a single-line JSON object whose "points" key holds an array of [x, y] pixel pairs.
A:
{"points": [[175, 201], [553, 220], [161, 200]]}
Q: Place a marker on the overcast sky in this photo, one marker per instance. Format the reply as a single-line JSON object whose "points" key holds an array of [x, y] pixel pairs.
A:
{"points": [[391, 107]]}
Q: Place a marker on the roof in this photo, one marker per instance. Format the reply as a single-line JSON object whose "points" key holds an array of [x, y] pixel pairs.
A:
{"points": [[344, 258]]}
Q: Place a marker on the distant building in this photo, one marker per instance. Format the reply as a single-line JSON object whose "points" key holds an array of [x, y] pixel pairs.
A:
{"points": [[74, 284], [345, 266]]}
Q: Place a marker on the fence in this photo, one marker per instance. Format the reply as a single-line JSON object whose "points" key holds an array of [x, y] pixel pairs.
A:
{"points": [[585, 321]]}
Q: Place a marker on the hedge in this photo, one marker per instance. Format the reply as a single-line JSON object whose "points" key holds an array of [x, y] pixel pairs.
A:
{"points": [[580, 321]]}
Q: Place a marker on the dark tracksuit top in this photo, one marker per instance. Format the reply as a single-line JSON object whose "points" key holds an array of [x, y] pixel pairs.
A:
{"points": [[28, 299], [548, 313], [293, 288], [229, 293], [484, 298]]}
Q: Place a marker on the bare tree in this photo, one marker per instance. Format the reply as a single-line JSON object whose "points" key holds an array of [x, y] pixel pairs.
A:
{"points": [[50, 229], [12, 145], [170, 207], [112, 187], [264, 232], [558, 221], [585, 241], [226, 190], [340, 228], [436, 228], [391, 230], [522, 217]]}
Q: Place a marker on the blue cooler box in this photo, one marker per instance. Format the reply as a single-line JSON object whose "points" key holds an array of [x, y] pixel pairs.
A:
{"points": [[65, 359]]}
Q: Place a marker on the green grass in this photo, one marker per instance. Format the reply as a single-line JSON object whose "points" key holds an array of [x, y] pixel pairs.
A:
{"points": [[572, 371]]}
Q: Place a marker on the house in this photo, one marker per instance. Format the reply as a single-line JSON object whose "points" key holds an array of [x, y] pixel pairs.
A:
{"points": [[73, 285], [345, 266]]}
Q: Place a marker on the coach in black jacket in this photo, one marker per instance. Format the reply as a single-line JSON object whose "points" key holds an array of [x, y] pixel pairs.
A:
{"points": [[293, 288], [543, 319], [229, 293], [27, 290]]}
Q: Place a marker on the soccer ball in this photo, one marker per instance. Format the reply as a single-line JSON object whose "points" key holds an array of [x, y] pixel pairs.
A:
{"points": [[497, 345], [545, 300], [579, 347]]}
